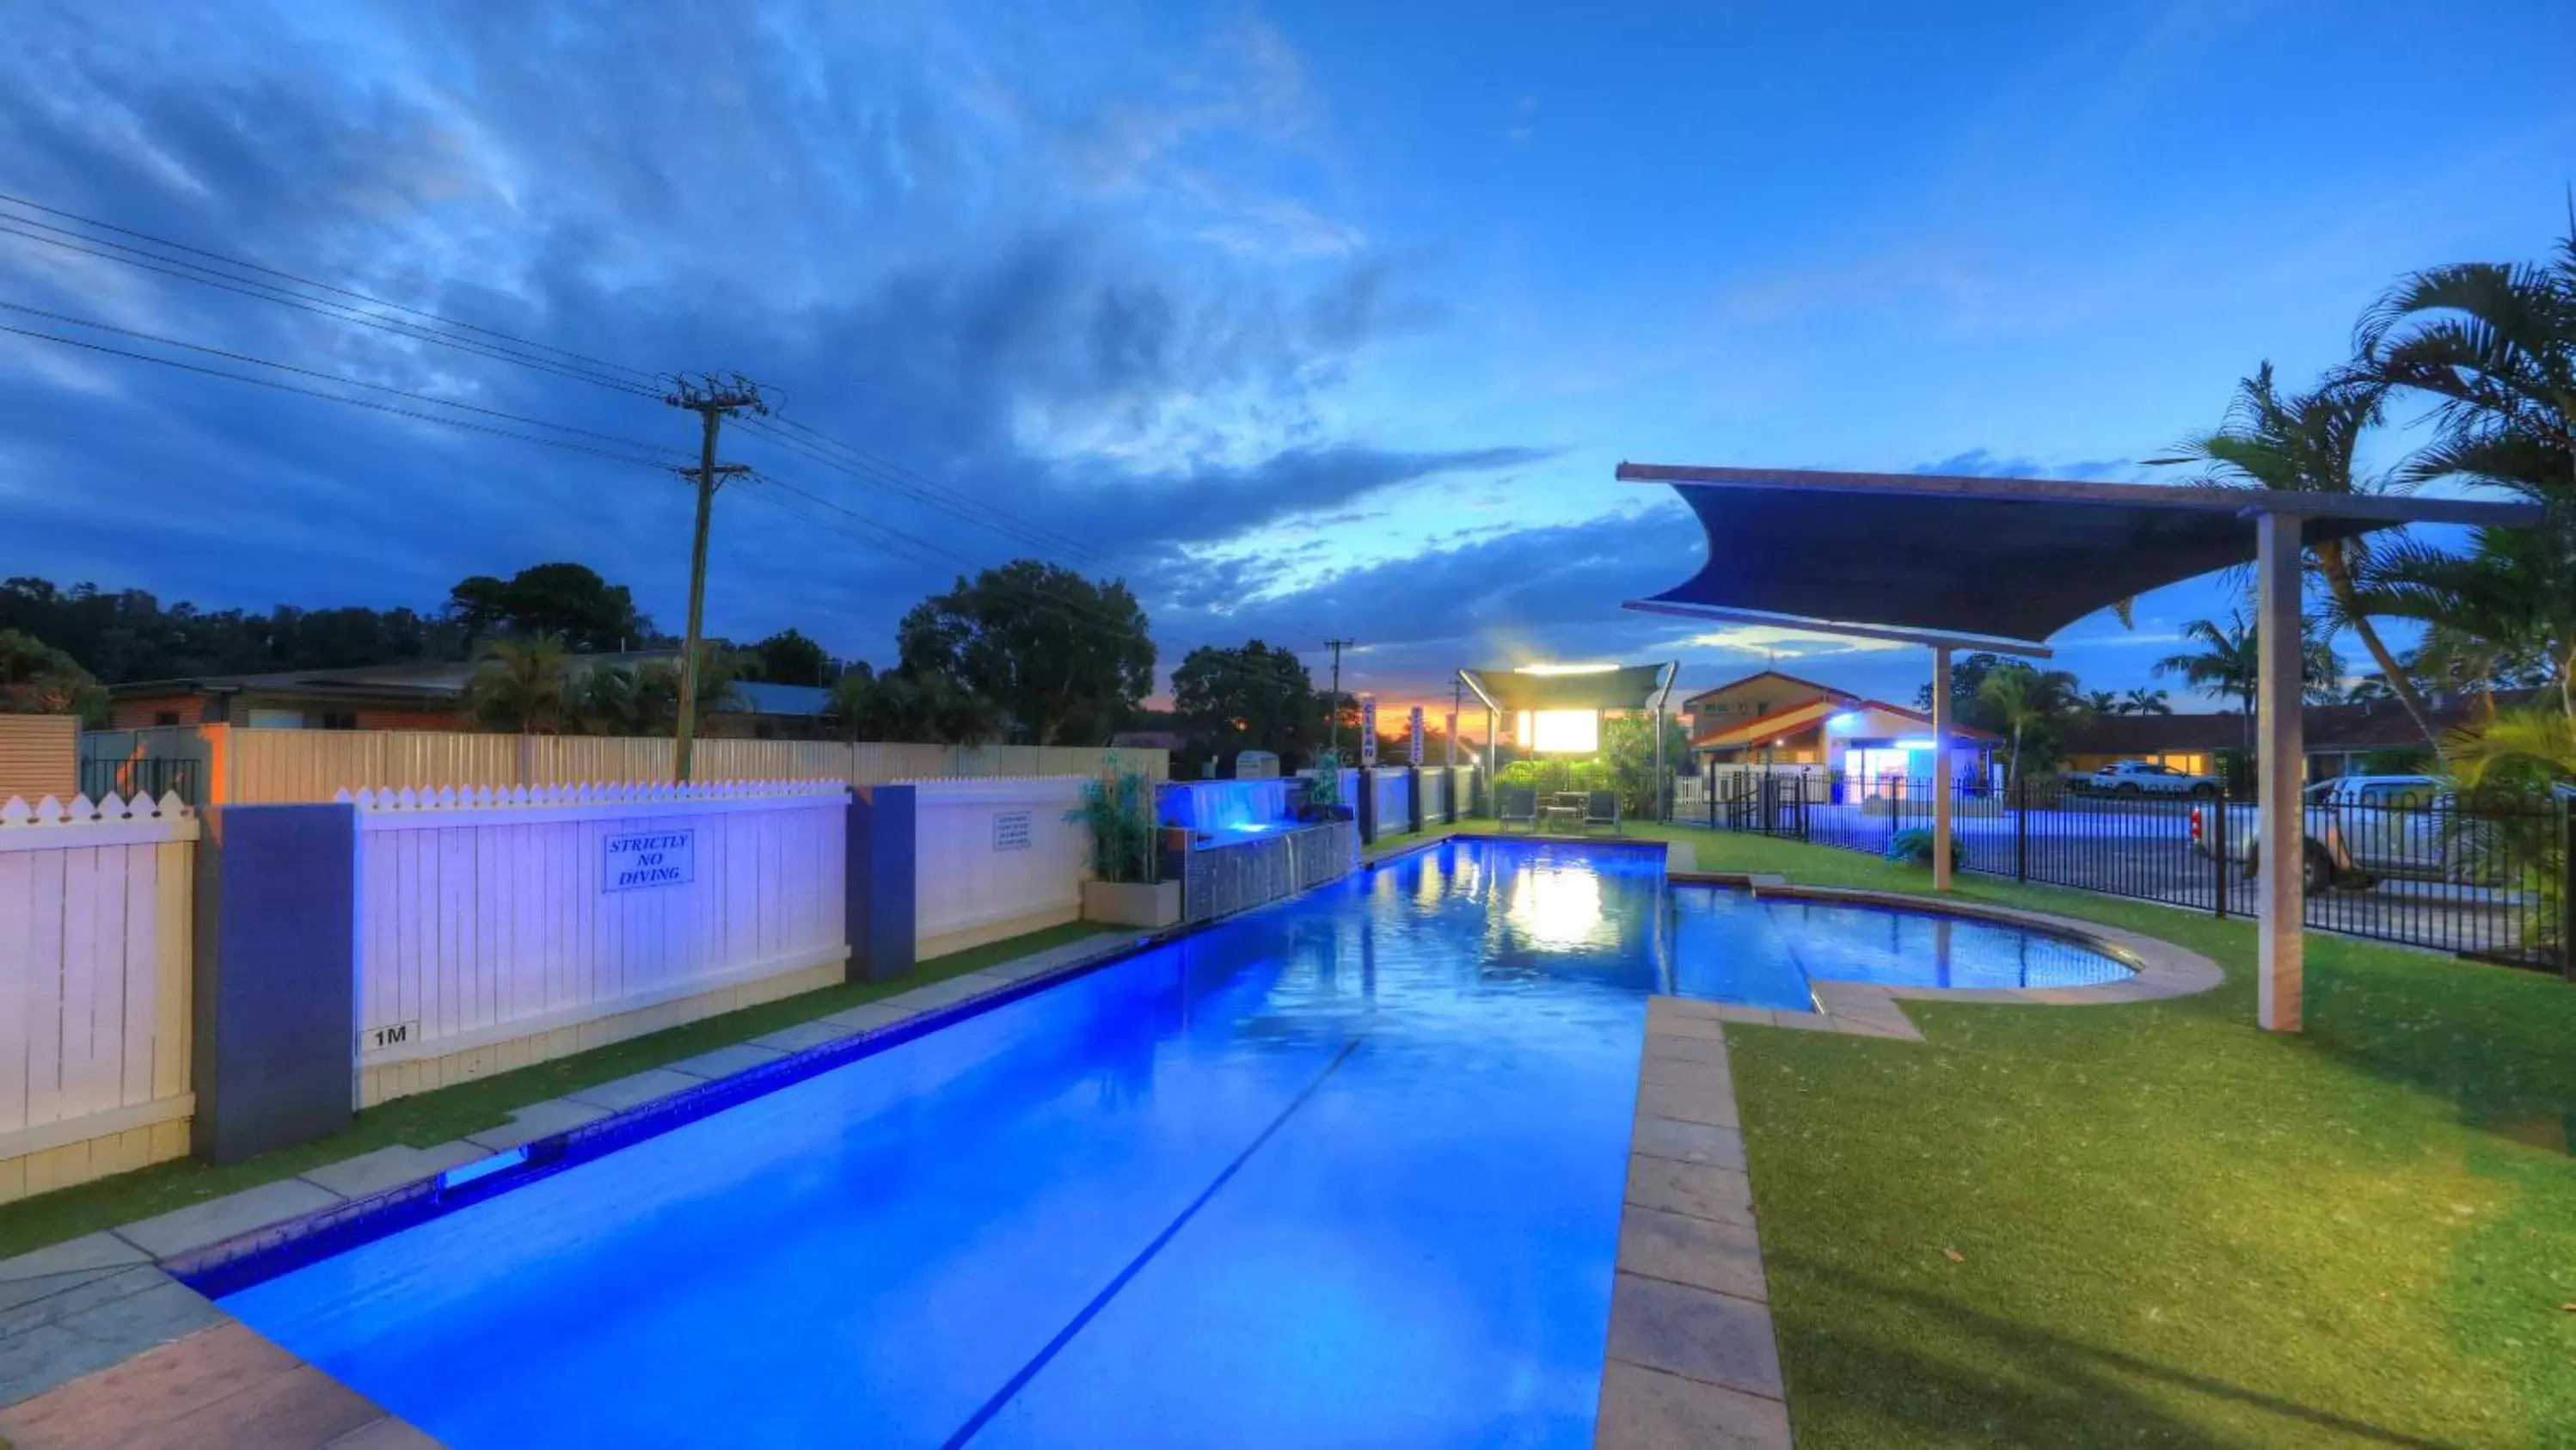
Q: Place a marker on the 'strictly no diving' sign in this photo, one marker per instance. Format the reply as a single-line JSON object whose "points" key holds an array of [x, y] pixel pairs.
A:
{"points": [[648, 858]]}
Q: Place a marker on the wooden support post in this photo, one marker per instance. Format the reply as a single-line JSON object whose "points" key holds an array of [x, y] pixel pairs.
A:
{"points": [[2280, 756], [1941, 767]]}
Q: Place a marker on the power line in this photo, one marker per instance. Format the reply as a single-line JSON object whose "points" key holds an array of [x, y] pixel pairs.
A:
{"points": [[966, 509], [316, 373], [338, 312], [167, 362], [251, 266], [898, 476], [1282, 674]]}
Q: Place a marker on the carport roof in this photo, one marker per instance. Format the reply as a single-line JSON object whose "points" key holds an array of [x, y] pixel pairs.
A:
{"points": [[1561, 687], [1981, 561]]}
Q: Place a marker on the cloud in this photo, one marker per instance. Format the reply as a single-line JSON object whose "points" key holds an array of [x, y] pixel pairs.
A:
{"points": [[1980, 463], [1006, 283]]}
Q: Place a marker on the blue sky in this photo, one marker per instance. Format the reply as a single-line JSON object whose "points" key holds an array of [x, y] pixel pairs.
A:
{"points": [[1312, 320]]}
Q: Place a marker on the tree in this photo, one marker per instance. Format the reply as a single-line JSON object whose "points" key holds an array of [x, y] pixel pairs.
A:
{"points": [[522, 685], [1628, 749], [2033, 706], [2307, 443], [899, 707], [2142, 701], [1257, 697], [569, 600], [1063, 657], [2494, 345], [1967, 673], [656, 708], [2228, 664], [2102, 702], [37, 679], [788, 658]]}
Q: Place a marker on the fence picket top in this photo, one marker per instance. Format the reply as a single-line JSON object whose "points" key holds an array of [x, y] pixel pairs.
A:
{"points": [[588, 793]]}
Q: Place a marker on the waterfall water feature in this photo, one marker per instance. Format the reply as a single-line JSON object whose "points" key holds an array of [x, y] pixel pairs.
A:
{"points": [[1228, 810]]}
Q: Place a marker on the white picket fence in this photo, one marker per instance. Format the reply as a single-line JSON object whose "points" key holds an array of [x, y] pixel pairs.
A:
{"points": [[503, 927], [994, 858], [95, 914]]}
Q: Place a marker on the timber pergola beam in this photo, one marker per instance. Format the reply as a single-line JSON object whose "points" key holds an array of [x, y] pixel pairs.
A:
{"points": [[2001, 564]]}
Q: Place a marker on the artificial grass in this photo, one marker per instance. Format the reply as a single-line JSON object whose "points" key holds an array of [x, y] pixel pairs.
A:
{"points": [[470, 1107], [2156, 1224]]}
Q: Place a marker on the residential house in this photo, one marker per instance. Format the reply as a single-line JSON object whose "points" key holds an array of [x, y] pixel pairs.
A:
{"points": [[2338, 739], [1775, 719], [419, 697]]}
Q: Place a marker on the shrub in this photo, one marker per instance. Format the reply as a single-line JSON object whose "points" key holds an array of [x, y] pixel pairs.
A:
{"points": [[1118, 808], [1913, 847]]}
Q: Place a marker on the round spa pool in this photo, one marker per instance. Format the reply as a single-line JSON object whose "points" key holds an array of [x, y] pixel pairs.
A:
{"points": [[1732, 946]]}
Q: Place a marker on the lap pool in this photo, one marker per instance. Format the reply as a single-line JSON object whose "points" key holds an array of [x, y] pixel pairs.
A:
{"points": [[1345, 1170]]}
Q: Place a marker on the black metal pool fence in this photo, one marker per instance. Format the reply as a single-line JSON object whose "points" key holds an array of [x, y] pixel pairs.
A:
{"points": [[2421, 867]]}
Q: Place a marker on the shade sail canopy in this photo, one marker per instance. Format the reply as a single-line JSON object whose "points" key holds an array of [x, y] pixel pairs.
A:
{"points": [[2003, 559], [1620, 687]]}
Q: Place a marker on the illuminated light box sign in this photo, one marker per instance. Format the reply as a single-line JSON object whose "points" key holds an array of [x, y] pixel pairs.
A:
{"points": [[631, 861], [1561, 732]]}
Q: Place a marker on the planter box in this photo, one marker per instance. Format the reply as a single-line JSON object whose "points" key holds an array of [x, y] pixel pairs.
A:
{"points": [[1132, 903]]}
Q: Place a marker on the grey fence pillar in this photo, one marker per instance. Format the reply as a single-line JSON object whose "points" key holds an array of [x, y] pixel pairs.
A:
{"points": [[1367, 804], [1413, 793], [879, 904], [276, 971]]}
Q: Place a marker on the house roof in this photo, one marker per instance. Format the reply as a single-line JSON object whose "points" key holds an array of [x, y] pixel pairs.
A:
{"points": [[1799, 717], [2324, 729], [441, 682], [1826, 690]]}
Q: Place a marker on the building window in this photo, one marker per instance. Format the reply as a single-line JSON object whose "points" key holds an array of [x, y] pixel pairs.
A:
{"points": [[332, 720], [165, 717]]}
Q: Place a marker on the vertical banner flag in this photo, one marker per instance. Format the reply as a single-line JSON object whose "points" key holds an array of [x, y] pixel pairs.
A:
{"points": [[1368, 732], [1414, 746]]}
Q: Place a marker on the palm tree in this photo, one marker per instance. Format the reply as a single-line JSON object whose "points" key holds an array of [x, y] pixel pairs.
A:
{"points": [[2510, 601], [2025, 700], [521, 685], [2102, 702], [2143, 701], [2305, 443], [2494, 344], [2229, 664]]}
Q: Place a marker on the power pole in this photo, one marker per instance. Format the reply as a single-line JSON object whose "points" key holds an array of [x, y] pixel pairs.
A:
{"points": [[713, 402], [1334, 726]]}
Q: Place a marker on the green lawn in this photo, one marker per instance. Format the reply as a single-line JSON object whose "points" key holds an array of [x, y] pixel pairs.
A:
{"points": [[452, 1112], [2171, 1228]]}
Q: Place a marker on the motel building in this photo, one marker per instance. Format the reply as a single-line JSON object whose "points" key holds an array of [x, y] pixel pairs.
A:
{"points": [[1870, 746]]}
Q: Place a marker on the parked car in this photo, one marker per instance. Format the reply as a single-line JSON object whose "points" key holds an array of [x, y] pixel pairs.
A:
{"points": [[2146, 777], [2362, 829]]}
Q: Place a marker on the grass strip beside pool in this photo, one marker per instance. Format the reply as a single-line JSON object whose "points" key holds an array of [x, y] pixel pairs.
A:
{"points": [[452, 1112], [2157, 1225]]}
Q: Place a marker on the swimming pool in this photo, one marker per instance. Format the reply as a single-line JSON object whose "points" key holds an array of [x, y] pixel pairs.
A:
{"points": [[1347, 1169]]}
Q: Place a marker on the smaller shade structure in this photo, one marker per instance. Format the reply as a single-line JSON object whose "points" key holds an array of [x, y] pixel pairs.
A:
{"points": [[1564, 703]]}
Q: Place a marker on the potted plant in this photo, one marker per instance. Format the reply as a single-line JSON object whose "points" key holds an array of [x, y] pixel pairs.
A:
{"points": [[1323, 797], [1118, 809]]}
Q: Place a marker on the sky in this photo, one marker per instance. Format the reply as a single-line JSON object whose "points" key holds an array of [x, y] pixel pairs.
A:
{"points": [[1308, 321]]}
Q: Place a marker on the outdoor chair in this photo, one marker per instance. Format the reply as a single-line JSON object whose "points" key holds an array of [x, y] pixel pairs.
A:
{"points": [[1516, 805], [1601, 808]]}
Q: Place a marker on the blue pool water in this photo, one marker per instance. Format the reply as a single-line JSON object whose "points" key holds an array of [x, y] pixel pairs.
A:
{"points": [[1346, 1170]]}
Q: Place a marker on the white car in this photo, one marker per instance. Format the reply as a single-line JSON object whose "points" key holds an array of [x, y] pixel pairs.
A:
{"points": [[2361, 829], [2146, 777]]}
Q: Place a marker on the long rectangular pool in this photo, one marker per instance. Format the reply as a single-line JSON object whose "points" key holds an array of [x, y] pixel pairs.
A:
{"points": [[1344, 1170]]}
